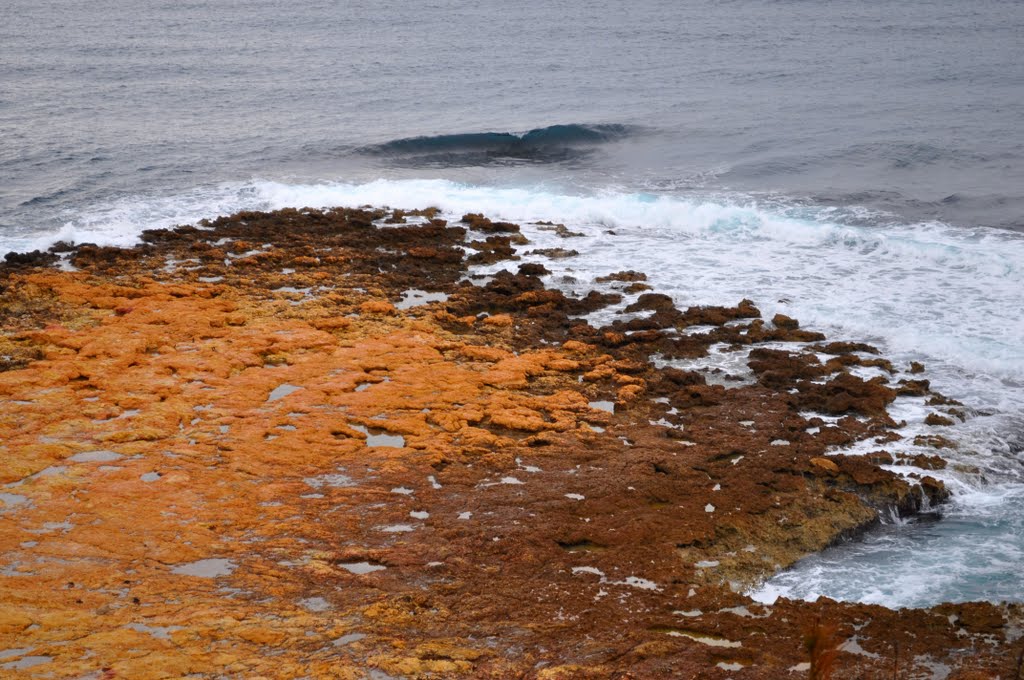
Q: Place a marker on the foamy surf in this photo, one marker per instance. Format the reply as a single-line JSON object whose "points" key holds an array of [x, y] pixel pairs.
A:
{"points": [[948, 297]]}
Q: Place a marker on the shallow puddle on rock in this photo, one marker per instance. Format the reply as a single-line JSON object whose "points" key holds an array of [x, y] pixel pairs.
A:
{"points": [[414, 298], [744, 612], [588, 570], [363, 386], [527, 468], [150, 477], [95, 457], [397, 528], [159, 632], [852, 646], [362, 567], [333, 480], [27, 662], [292, 290], [208, 568], [512, 481], [282, 391], [315, 604], [349, 639], [698, 330], [733, 666], [703, 638], [637, 582], [49, 527], [8, 653], [608, 406], [12, 500], [382, 438]]}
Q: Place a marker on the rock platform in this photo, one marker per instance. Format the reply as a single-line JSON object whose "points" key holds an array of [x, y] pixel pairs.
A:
{"points": [[311, 444]]}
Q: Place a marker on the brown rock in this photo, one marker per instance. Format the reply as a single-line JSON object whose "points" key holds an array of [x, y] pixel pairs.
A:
{"points": [[880, 457], [825, 465], [376, 307], [785, 322], [936, 419], [625, 276]]}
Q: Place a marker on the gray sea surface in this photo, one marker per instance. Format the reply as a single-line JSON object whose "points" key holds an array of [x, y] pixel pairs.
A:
{"points": [[913, 108]]}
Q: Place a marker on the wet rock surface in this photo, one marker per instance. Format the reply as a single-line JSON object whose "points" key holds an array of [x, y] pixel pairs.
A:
{"points": [[301, 476]]}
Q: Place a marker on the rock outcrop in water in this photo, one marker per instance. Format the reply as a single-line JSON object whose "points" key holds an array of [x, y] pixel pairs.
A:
{"points": [[237, 450]]}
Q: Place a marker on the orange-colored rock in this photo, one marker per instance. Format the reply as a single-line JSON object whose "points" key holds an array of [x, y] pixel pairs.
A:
{"points": [[377, 307], [825, 464], [499, 320], [628, 393]]}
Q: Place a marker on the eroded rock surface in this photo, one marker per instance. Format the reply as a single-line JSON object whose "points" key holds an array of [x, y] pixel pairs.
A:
{"points": [[228, 453]]}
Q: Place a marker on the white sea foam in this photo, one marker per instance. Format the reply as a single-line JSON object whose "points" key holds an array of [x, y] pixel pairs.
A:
{"points": [[974, 553]]}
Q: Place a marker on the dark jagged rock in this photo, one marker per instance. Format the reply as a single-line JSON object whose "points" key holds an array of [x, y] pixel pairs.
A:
{"points": [[623, 276], [785, 322], [36, 258]]}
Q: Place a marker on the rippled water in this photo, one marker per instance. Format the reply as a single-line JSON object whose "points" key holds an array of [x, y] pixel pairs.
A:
{"points": [[856, 165]]}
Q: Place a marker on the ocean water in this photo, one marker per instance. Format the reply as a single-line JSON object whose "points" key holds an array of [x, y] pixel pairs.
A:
{"points": [[857, 165]]}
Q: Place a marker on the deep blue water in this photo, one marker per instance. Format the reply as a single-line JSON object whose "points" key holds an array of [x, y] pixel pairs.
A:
{"points": [[857, 164]]}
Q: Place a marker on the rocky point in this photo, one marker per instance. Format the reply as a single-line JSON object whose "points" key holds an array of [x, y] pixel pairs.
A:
{"points": [[314, 443]]}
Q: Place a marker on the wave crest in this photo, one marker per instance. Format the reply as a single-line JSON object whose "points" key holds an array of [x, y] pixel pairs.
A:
{"points": [[547, 144]]}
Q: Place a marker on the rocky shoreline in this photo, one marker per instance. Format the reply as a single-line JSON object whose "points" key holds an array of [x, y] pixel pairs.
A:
{"points": [[316, 444]]}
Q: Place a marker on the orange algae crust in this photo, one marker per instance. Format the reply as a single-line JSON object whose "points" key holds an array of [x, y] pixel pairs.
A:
{"points": [[232, 452]]}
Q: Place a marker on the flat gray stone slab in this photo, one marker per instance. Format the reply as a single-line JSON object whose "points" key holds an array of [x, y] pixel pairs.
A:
{"points": [[95, 457], [208, 568]]}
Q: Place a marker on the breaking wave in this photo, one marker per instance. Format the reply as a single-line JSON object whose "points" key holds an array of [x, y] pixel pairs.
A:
{"points": [[547, 144]]}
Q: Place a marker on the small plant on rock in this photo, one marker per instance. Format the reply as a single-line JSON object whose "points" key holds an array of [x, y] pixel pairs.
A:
{"points": [[820, 644]]}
